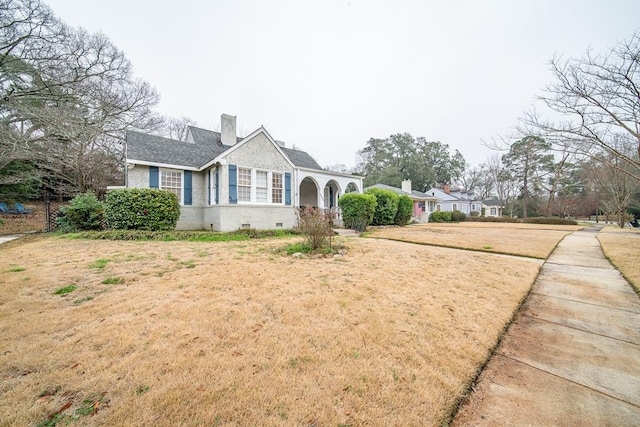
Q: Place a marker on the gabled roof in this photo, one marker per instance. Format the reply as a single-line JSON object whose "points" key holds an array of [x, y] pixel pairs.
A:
{"points": [[440, 194], [205, 147], [492, 202], [414, 194], [157, 149]]}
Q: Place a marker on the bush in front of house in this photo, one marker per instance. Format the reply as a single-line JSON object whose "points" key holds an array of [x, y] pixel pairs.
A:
{"points": [[386, 206], [315, 226], [357, 210], [439, 216], [142, 209], [85, 212], [405, 207], [458, 216]]}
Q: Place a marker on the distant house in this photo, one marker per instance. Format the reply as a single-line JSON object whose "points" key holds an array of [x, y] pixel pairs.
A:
{"points": [[492, 208], [455, 200], [224, 182], [423, 204]]}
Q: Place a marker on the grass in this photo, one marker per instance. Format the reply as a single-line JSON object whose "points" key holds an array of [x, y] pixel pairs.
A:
{"points": [[99, 263], [530, 240], [622, 247], [112, 281], [15, 270], [391, 335], [65, 290], [189, 236]]}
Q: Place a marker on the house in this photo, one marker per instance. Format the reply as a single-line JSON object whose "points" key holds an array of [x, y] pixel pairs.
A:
{"points": [[492, 208], [224, 182], [423, 204], [456, 200]]}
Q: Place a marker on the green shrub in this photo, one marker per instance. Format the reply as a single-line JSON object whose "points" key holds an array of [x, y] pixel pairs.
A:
{"points": [[439, 216], [85, 212], [474, 213], [142, 209], [386, 206], [357, 210], [405, 208], [458, 216]]}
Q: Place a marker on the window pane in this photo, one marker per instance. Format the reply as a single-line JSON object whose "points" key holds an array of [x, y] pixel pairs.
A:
{"points": [[261, 187], [172, 181], [244, 185], [276, 187]]}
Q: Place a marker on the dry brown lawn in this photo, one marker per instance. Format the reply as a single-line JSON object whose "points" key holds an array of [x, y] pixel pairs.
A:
{"points": [[236, 334], [530, 240], [622, 247]]}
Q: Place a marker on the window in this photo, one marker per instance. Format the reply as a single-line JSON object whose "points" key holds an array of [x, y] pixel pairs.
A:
{"points": [[261, 187], [244, 185], [438, 208], [493, 211], [455, 207], [422, 206], [172, 181], [276, 187], [473, 207]]}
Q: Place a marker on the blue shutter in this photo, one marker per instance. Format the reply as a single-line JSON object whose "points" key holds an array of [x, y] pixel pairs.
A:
{"points": [[209, 187], [217, 182], [287, 188], [187, 188], [233, 184], [154, 177]]}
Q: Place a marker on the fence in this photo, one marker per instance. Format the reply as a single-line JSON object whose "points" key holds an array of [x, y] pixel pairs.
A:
{"points": [[41, 213]]}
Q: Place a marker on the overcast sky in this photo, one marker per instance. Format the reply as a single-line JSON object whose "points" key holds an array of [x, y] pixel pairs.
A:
{"points": [[328, 75]]}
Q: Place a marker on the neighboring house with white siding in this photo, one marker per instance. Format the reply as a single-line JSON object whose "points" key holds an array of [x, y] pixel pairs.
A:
{"points": [[455, 200], [493, 208], [224, 182]]}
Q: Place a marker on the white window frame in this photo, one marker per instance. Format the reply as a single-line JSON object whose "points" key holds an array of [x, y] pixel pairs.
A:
{"points": [[493, 211], [273, 188], [454, 207], [180, 189], [267, 175], [242, 176]]}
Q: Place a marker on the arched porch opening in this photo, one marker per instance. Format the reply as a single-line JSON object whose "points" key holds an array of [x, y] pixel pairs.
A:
{"points": [[308, 192], [331, 193]]}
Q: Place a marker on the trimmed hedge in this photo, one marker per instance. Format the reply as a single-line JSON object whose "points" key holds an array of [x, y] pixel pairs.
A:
{"points": [[405, 208], [357, 210], [537, 220], [85, 212], [142, 209], [386, 207], [440, 216], [458, 216]]}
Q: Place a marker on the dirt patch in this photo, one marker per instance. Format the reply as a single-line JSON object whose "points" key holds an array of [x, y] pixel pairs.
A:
{"points": [[238, 334]]}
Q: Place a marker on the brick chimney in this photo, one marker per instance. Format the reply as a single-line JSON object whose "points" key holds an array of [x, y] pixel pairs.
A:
{"points": [[228, 129], [446, 188], [406, 186]]}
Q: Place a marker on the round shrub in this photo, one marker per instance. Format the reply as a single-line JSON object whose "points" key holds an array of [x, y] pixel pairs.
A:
{"points": [[357, 210], [439, 216], [405, 207], [386, 208], [85, 212], [458, 216], [142, 209]]}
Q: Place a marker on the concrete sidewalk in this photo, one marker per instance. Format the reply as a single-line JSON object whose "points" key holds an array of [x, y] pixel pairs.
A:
{"points": [[9, 237], [572, 356]]}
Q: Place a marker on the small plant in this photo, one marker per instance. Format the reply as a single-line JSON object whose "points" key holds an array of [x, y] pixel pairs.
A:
{"points": [[80, 301], [458, 216], [315, 226], [440, 216], [142, 389], [15, 270], [99, 263], [112, 281], [65, 290]]}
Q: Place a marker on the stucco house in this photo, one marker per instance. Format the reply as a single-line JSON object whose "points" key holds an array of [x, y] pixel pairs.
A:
{"points": [[224, 182], [455, 200], [423, 204]]}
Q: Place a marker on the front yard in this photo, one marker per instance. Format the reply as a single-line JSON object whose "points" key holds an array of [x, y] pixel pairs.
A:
{"points": [[236, 333]]}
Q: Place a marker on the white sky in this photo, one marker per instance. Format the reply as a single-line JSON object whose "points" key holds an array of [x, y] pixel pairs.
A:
{"points": [[328, 75]]}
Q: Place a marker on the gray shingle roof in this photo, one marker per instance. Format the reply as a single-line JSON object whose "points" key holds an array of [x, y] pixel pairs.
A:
{"points": [[206, 147]]}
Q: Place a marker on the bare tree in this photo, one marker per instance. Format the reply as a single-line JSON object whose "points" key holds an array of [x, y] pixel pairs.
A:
{"points": [[66, 99], [175, 128], [596, 97]]}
